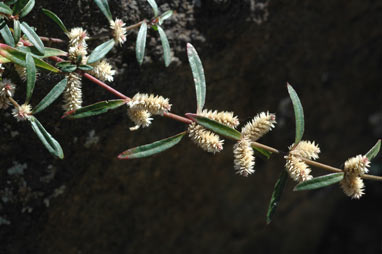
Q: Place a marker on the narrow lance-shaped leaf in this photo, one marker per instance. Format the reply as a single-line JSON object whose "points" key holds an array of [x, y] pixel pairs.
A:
{"points": [[56, 91], [18, 57], [33, 37], [298, 112], [215, 126], [7, 36], [103, 5], [165, 45], [198, 74], [49, 142], [27, 8], [56, 19], [151, 149], [100, 51], [96, 108], [276, 195], [31, 76], [319, 182], [374, 150], [164, 16], [154, 6], [141, 42], [17, 30], [48, 52], [4, 9], [19, 5]]}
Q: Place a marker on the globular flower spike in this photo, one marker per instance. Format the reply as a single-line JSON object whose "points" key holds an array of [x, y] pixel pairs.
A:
{"points": [[352, 184], [207, 140], [7, 89], [244, 159], [73, 93], [77, 44], [154, 104], [141, 118], [298, 170], [103, 71], [22, 112], [260, 125], [119, 31]]}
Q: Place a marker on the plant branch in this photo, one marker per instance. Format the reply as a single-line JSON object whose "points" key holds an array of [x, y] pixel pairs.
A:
{"points": [[55, 40], [135, 25]]}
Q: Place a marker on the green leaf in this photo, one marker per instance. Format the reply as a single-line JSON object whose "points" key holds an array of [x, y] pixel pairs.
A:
{"points": [[7, 36], [298, 112], [216, 127], [69, 68], [18, 57], [85, 67], [164, 16], [151, 149], [51, 96], [27, 8], [48, 52], [374, 151], [10, 2], [103, 5], [262, 152], [17, 30], [100, 51], [19, 5], [97, 108], [31, 76], [4, 9], [2, 22], [33, 37], [276, 195], [141, 43], [319, 182], [166, 46], [56, 19], [63, 64], [49, 142], [198, 74], [154, 6]]}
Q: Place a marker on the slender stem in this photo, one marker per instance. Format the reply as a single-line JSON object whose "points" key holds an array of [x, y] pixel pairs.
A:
{"points": [[189, 121], [105, 86], [135, 25], [55, 40], [14, 103], [265, 147], [177, 118]]}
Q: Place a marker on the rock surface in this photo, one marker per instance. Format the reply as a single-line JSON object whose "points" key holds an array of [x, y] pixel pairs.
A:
{"points": [[185, 200]]}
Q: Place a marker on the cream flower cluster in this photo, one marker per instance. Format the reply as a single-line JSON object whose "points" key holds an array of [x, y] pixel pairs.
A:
{"points": [[143, 106], [7, 89], [352, 184], [119, 31], [73, 92], [244, 159], [103, 71], [206, 139], [298, 170], [22, 113]]}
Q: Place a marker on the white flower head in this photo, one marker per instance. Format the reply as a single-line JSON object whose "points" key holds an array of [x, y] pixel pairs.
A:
{"points": [[205, 139], [119, 31], [22, 113], [103, 71], [260, 125], [244, 159], [7, 89]]}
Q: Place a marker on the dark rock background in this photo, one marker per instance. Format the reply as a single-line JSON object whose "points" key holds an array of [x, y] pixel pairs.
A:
{"points": [[185, 200]]}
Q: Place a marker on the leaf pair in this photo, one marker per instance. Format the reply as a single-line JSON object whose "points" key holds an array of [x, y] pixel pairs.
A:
{"points": [[141, 43]]}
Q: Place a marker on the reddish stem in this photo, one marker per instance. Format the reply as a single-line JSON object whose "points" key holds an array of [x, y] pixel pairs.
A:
{"points": [[121, 95], [48, 39], [105, 86]]}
